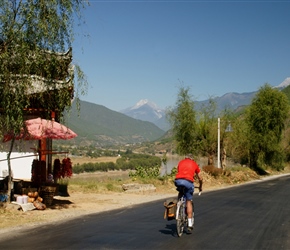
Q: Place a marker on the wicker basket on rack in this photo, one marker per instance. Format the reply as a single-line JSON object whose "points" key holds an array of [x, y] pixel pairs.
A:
{"points": [[47, 193]]}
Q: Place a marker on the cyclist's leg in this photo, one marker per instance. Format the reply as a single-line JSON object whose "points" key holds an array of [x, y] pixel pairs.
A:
{"points": [[189, 208], [188, 191], [189, 201]]}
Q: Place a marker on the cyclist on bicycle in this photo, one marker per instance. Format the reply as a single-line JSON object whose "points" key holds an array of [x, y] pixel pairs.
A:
{"points": [[186, 171]]}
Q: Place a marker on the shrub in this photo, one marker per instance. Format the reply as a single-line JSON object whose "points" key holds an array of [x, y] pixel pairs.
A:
{"points": [[145, 172], [126, 162], [173, 172], [212, 170]]}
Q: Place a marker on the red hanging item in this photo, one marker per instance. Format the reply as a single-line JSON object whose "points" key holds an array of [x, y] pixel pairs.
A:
{"points": [[66, 168], [56, 169], [63, 169]]}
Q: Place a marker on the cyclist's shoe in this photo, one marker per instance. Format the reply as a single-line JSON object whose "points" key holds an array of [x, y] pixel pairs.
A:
{"points": [[189, 229]]}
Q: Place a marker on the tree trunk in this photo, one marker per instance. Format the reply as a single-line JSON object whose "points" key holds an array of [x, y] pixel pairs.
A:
{"points": [[210, 160], [9, 171], [223, 159]]}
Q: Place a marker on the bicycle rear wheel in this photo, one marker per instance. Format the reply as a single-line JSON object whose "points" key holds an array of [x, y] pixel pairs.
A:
{"points": [[180, 219], [192, 213]]}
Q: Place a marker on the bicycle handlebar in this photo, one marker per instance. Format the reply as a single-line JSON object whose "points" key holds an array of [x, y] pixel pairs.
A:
{"points": [[199, 193]]}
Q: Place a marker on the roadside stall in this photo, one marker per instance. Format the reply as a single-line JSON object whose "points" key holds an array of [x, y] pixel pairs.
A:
{"points": [[46, 85], [42, 186]]}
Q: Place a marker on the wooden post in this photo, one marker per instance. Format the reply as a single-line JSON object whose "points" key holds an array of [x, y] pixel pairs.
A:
{"points": [[42, 159], [42, 147]]}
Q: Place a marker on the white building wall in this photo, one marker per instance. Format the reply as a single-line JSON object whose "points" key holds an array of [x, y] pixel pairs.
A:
{"points": [[24, 154]]}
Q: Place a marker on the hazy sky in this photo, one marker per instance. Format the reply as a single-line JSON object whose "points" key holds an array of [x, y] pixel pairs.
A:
{"points": [[148, 49]]}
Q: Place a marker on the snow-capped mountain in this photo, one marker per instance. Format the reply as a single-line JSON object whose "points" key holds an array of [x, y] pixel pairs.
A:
{"points": [[284, 84], [145, 102], [146, 110]]}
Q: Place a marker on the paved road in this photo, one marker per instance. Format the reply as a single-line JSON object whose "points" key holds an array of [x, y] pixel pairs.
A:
{"points": [[252, 216]]}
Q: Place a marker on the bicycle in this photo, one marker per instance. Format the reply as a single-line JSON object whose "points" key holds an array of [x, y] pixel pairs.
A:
{"points": [[181, 214]]}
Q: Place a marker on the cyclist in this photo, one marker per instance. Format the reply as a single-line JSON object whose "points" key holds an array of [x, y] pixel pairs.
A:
{"points": [[186, 171]]}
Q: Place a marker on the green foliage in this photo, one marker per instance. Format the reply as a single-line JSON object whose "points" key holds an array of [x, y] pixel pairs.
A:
{"points": [[35, 73], [237, 168], [164, 159], [266, 119], [286, 91], [33, 34], [113, 188], [238, 142], [196, 131], [126, 162], [207, 129], [173, 172], [146, 172], [183, 120], [93, 167]]}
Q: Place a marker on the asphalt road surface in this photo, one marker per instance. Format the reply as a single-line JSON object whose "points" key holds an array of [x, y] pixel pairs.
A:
{"points": [[251, 216]]}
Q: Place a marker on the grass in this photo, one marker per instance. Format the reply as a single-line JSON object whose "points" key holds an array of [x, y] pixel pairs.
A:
{"points": [[112, 181], [99, 181]]}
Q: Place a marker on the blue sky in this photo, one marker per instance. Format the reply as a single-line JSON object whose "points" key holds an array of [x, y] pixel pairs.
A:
{"points": [[148, 49]]}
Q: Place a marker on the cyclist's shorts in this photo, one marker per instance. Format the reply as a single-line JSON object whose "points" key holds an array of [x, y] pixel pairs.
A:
{"points": [[189, 187]]}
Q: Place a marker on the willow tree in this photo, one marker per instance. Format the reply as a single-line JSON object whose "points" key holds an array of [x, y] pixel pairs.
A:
{"points": [[266, 119], [34, 35], [183, 120], [207, 130]]}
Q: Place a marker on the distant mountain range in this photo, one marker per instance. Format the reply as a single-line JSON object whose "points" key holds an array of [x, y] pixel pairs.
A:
{"points": [[284, 84], [100, 126], [146, 110], [230, 100]]}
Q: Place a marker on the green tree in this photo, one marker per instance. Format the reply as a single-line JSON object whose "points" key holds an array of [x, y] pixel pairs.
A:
{"points": [[183, 120], [227, 123], [207, 130], [265, 119], [34, 35], [238, 142]]}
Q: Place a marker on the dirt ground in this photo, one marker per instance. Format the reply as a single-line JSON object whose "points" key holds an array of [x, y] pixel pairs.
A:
{"points": [[77, 204]]}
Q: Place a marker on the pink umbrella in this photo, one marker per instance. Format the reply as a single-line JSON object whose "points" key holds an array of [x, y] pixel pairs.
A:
{"points": [[38, 129]]}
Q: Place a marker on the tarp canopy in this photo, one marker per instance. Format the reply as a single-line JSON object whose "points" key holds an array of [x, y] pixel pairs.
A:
{"points": [[38, 129]]}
